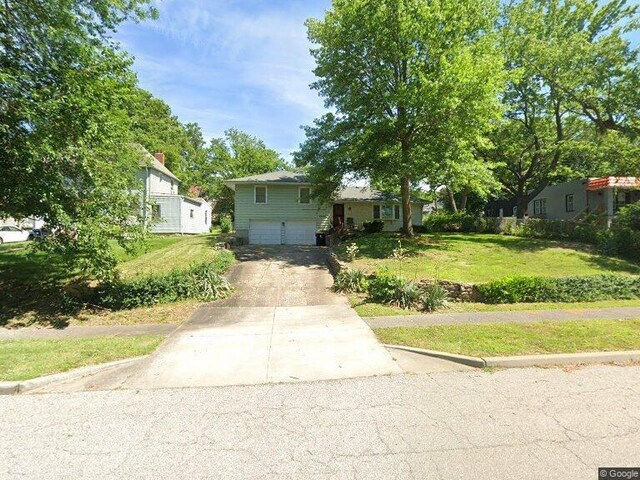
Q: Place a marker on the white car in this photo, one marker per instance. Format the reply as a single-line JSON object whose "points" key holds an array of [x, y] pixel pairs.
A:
{"points": [[13, 234]]}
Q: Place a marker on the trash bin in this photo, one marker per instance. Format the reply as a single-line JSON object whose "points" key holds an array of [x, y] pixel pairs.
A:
{"points": [[321, 239]]}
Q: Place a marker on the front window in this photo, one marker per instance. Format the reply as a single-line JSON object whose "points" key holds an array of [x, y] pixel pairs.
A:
{"points": [[305, 195], [540, 206], [569, 203], [387, 211], [261, 194], [376, 212], [156, 212], [396, 212]]}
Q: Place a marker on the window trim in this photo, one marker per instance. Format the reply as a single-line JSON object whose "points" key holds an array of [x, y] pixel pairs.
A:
{"points": [[397, 214], [300, 196], [566, 203], [373, 212], [255, 194]]}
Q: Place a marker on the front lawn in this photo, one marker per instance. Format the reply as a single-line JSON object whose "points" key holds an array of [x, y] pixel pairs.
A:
{"points": [[32, 283], [500, 339], [477, 258], [25, 359]]}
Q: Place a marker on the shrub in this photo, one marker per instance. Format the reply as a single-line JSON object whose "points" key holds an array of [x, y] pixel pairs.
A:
{"points": [[454, 222], [226, 225], [374, 226], [568, 289], [352, 251], [204, 282], [433, 297], [393, 290], [350, 280]]}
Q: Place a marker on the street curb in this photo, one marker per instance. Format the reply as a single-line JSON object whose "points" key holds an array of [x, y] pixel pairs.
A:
{"points": [[523, 361], [11, 388], [452, 357], [562, 359]]}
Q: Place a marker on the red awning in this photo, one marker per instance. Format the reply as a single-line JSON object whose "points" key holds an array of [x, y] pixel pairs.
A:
{"points": [[613, 182]]}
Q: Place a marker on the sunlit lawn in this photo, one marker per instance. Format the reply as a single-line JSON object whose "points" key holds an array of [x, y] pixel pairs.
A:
{"points": [[476, 258], [519, 339]]}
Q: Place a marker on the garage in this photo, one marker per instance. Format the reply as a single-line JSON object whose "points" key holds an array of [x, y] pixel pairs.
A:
{"points": [[300, 233], [265, 232]]}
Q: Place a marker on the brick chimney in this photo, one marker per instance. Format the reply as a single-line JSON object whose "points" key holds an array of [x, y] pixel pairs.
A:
{"points": [[159, 156]]}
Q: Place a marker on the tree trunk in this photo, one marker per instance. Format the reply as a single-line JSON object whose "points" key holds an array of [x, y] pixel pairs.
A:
{"points": [[465, 198], [405, 188], [452, 200]]}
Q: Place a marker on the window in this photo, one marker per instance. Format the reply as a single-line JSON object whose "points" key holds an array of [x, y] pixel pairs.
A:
{"points": [[387, 211], [156, 212], [540, 206], [261, 194], [514, 212], [304, 194], [568, 203], [396, 212], [206, 217], [191, 213], [376, 212]]}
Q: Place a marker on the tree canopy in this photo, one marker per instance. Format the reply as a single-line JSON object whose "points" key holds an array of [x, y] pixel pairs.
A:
{"points": [[413, 87]]}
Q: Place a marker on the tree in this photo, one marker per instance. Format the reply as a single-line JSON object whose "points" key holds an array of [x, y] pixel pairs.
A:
{"points": [[413, 85], [65, 96], [571, 74], [237, 154]]}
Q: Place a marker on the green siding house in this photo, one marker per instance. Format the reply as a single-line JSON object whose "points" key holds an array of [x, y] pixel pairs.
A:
{"points": [[278, 208]]}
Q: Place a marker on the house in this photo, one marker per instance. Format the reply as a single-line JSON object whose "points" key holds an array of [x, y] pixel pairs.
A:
{"points": [[278, 208], [28, 223], [163, 208], [569, 200]]}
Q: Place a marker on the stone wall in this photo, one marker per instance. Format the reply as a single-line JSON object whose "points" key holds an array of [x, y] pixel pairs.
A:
{"points": [[460, 292], [335, 266]]}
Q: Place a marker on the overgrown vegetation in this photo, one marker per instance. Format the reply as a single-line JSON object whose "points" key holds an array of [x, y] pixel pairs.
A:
{"points": [[351, 281], [567, 289]]}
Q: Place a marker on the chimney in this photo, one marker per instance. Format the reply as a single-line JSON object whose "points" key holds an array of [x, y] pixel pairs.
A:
{"points": [[159, 156]]}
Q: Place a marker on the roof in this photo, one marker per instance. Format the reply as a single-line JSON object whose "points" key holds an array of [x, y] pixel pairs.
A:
{"points": [[366, 194], [279, 177], [150, 161], [613, 182]]}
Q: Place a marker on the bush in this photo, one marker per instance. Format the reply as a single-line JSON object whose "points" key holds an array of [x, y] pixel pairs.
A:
{"points": [[374, 226], [393, 290], [433, 297], [203, 282], [226, 225], [351, 280], [568, 289], [454, 222]]}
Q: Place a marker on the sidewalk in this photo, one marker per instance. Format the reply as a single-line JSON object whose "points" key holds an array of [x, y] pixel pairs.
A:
{"points": [[430, 319], [31, 333]]}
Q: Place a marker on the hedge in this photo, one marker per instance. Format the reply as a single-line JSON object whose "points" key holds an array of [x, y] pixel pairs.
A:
{"points": [[567, 289]]}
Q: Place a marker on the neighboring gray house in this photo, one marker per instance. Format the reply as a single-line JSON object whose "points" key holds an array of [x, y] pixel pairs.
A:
{"points": [[163, 207], [569, 200], [277, 208]]}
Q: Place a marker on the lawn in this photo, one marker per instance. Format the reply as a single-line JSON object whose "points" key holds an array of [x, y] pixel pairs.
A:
{"points": [[519, 339], [477, 258], [31, 282], [25, 359], [366, 309]]}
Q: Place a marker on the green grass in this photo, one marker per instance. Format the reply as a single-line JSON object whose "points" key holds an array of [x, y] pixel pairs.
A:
{"points": [[25, 359], [366, 309], [477, 258], [519, 339], [31, 282]]}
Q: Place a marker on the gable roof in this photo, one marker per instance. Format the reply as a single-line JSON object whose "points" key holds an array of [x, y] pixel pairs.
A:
{"points": [[280, 177], [367, 194], [149, 161]]}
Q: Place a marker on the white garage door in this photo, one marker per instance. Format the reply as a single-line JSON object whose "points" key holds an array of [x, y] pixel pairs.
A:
{"points": [[300, 233], [265, 233]]}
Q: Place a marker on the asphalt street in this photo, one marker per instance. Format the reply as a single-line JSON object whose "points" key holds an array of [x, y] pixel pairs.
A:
{"points": [[520, 424]]}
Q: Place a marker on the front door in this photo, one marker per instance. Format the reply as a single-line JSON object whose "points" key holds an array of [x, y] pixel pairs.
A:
{"points": [[338, 214]]}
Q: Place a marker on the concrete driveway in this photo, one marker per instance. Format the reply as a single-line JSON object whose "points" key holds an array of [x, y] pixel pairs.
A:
{"points": [[283, 324]]}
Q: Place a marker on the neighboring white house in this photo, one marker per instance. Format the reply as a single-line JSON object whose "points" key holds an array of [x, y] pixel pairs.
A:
{"points": [[163, 207], [26, 223]]}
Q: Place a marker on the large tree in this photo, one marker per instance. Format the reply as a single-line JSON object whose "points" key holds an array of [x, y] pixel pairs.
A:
{"points": [[65, 96], [573, 91], [412, 84]]}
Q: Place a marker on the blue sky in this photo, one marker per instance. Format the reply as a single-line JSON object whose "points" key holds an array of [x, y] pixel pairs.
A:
{"points": [[232, 63]]}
